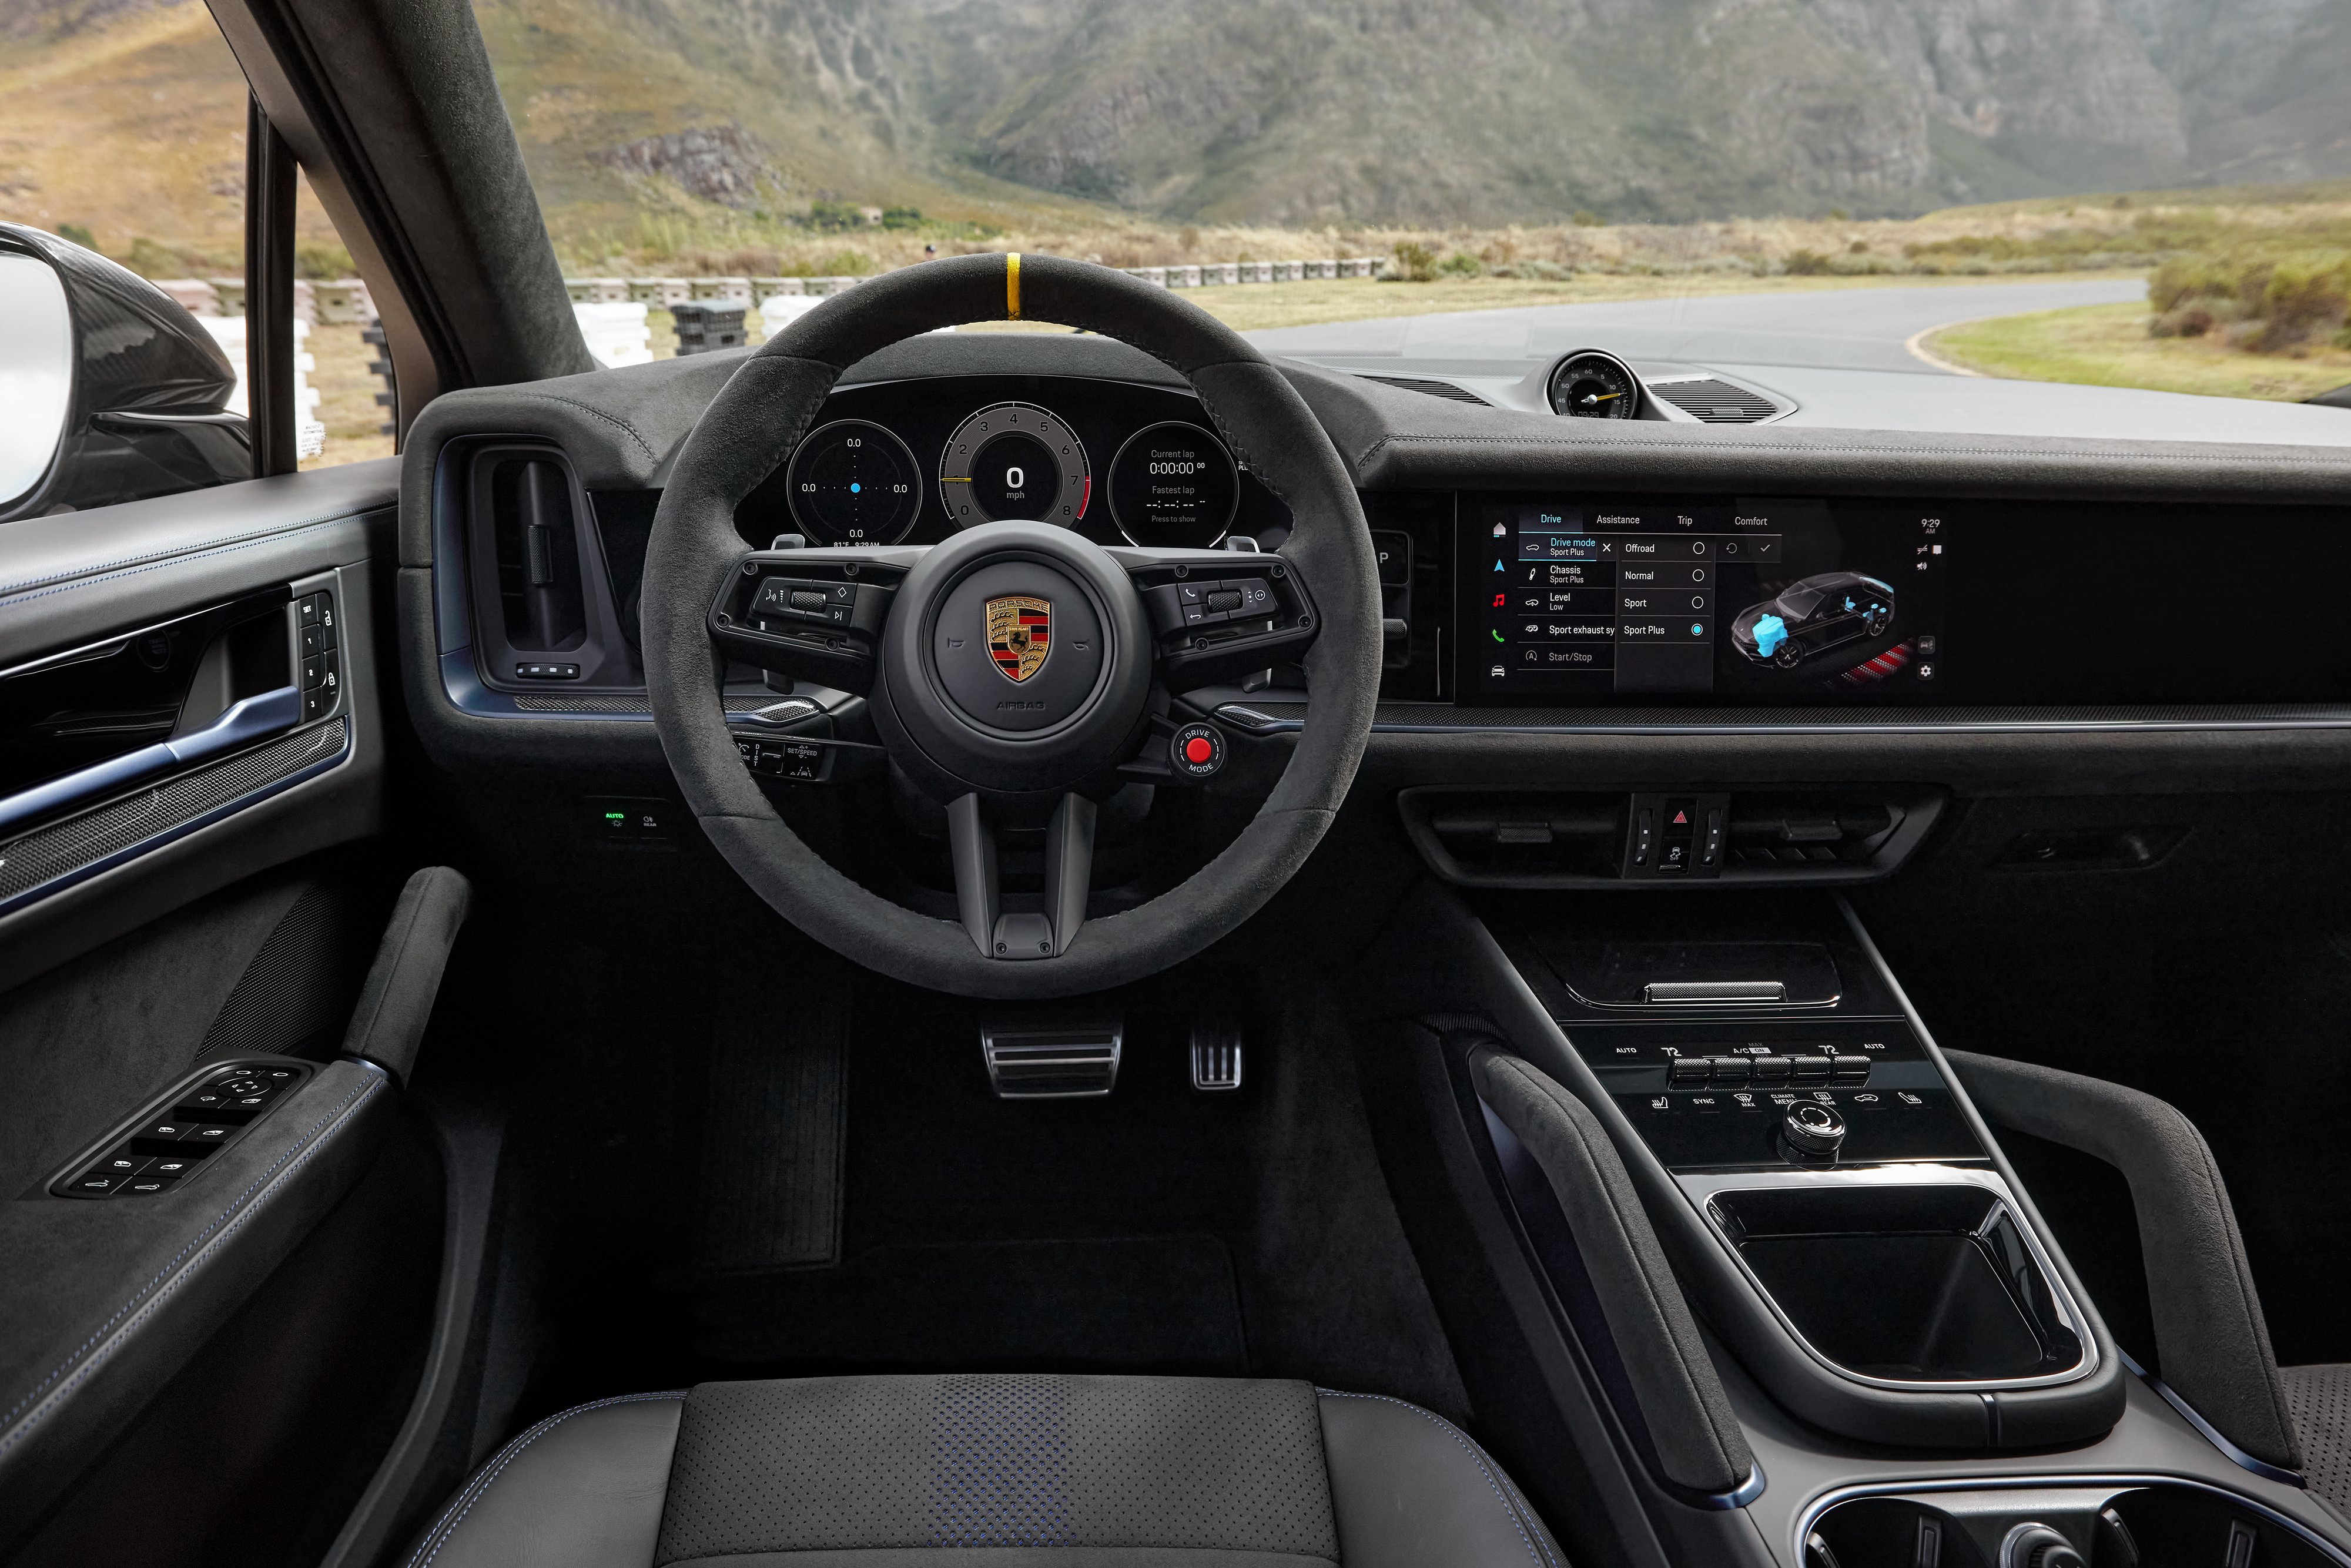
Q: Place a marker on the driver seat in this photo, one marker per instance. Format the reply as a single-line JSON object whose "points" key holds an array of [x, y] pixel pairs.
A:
{"points": [[1000, 1470]]}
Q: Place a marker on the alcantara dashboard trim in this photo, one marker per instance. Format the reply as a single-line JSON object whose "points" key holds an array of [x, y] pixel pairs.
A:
{"points": [[1437, 718]]}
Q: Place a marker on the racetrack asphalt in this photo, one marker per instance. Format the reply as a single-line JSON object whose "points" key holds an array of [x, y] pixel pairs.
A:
{"points": [[1863, 328]]}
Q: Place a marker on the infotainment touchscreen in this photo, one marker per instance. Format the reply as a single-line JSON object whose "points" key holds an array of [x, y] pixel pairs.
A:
{"points": [[1601, 598]]}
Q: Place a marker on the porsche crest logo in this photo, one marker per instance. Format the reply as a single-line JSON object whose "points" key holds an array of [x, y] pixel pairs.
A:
{"points": [[1019, 634]]}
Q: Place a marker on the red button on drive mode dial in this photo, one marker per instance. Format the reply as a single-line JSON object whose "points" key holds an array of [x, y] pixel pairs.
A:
{"points": [[1198, 750]]}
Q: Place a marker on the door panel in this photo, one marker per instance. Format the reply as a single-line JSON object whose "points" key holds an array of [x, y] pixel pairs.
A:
{"points": [[224, 790], [192, 872]]}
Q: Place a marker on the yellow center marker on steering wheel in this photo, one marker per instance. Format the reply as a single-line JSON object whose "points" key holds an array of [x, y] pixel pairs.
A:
{"points": [[1012, 286]]}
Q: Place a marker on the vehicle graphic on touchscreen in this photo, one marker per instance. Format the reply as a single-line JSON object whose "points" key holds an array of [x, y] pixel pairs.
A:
{"points": [[1812, 616]]}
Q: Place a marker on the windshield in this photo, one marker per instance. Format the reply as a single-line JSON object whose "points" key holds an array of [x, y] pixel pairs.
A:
{"points": [[2106, 218], [1800, 602], [1779, 199]]}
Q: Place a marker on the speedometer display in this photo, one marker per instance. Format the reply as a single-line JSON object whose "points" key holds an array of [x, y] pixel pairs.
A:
{"points": [[853, 482], [1015, 460], [1173, 486]]}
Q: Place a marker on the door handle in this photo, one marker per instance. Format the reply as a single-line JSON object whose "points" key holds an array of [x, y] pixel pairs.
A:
{"points": [[244, 722]]}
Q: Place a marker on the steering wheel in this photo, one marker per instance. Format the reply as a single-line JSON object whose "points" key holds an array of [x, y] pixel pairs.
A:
{"points": [[1017, 672]]}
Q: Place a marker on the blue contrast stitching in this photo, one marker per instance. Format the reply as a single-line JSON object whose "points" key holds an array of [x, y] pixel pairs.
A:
{"points": [[306, 1145], [161, 564], [1536, 1548], [463, 1504], [197, 548]]}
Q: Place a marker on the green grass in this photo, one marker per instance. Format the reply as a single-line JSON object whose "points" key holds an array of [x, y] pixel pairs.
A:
{"points": [[2108, 346], [1254, 307]]}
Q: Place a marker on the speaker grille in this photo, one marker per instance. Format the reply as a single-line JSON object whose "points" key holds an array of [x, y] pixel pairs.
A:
{"points": [[1432, 388], [62, 849]]}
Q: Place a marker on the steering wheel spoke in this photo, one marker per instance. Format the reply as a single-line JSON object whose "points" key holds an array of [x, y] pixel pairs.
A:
{"points": [[1021, 935], [1218, 614], [812, 614]]}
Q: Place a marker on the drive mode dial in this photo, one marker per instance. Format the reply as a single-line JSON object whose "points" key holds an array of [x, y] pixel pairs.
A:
{"points": [[1015, 461]]}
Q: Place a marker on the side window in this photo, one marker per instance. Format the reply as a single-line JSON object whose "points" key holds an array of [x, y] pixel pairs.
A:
{"points": [[123, 318]]}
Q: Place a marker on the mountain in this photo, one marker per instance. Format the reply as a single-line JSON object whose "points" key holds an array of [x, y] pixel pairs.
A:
{"points": [[1478, 111], [647, 122]]}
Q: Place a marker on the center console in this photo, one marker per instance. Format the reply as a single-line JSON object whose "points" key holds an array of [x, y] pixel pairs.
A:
{"points": [[1836, 1206], [1913, 1375]]}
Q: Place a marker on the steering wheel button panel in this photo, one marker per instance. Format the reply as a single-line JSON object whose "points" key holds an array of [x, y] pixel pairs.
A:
{"points": [[827, 604]]}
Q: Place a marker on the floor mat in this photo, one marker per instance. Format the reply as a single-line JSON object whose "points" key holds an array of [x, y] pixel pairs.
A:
{"points": [[774, 1131], [1129, 1304]]}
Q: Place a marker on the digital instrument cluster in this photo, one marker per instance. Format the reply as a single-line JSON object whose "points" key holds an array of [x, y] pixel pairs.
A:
{"points": [[914, 462]]}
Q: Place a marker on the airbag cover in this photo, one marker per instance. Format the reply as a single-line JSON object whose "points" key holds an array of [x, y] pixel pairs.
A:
{"points": [[1039, 675]]}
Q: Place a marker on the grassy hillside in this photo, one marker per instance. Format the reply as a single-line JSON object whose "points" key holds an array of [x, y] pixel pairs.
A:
{"points": [[582, 80], [131, 127]]}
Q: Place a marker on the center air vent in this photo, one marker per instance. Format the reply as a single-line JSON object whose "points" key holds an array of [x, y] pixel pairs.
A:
{"points": [[1714, 402], [1433, 389], [1538, 839]]}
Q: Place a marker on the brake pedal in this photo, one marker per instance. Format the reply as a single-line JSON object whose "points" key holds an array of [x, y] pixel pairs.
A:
{"points": [[1059, 1062]]}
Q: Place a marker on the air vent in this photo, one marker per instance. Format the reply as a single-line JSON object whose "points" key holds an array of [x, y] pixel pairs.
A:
{"points": [[1678, 838], [538, 547], [1433, 389], [1532, 835], [1802, 831], [1716, 402]]}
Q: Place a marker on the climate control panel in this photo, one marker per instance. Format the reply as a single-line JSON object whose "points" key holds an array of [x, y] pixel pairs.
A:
{"points": [[1709, 1096]]}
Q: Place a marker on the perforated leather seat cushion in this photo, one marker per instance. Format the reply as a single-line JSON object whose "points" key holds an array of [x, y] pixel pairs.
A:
{"points": [[1048, 1470], [2320, 1400]]}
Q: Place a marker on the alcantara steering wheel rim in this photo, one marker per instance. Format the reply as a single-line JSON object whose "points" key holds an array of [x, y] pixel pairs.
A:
{"points": [[752, 426]]}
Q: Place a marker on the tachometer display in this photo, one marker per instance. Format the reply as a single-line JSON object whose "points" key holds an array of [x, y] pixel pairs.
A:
{"points": [[853, 482], [1594, 385], [1015, 460], [1173, 486]]}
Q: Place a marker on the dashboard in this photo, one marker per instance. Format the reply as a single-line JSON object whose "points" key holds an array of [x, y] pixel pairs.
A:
{"points": [[1536, 571]]}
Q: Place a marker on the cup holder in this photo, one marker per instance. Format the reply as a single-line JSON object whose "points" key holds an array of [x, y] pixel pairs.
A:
{"points": [[2066, 1523], [1908, 1284]]}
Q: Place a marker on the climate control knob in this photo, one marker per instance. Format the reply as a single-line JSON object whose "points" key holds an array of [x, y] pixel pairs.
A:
{"points": [[1813, 1131]]}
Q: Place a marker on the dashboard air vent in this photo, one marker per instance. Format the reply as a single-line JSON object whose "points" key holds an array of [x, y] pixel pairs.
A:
{"points": [[537, 551], [1716, 402], [1548, 838], [1433, 389]]}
